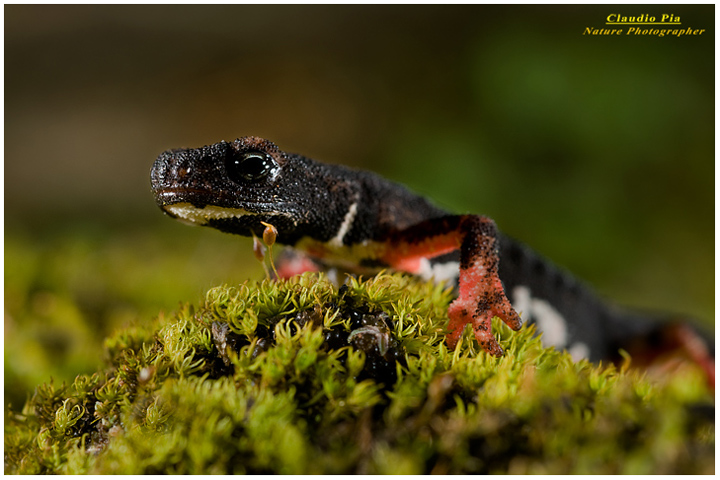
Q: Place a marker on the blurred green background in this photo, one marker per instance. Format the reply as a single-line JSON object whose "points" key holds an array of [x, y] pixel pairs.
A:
{"points": [[596, 151]]}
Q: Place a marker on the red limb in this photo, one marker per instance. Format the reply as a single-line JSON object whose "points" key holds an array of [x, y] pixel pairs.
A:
{"points": [[694, 347], [291, 262], [481, 294], [672, 343]]}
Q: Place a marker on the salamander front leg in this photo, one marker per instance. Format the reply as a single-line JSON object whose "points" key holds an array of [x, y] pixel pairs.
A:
{"points": [[291, 262], [481, 294]]}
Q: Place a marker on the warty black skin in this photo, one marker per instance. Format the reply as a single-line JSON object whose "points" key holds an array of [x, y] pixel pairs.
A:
{"points": [[304, 199]]}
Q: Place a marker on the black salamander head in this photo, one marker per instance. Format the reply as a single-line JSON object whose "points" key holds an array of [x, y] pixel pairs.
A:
{"points": [[235, 186]]}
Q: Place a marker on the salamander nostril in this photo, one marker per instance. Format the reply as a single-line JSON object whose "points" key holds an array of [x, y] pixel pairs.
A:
{"points": [[183, 171]]}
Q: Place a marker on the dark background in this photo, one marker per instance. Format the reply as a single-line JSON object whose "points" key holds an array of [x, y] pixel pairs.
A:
{"points": [[596, 151]]}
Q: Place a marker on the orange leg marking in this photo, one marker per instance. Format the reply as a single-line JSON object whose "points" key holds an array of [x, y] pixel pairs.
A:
{"points": [[481, 294]]}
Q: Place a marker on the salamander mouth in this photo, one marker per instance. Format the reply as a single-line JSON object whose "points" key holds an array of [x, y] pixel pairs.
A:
{"points": [[190, 213], [231, 220], [170, 196], [200, 198], [198, 207]]}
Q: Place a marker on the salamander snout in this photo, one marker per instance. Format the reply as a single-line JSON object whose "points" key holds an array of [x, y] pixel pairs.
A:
{"points": [[190, 174]]}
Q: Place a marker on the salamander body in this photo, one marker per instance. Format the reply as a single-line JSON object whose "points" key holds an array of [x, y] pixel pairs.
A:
{"points": [[360, 222]]}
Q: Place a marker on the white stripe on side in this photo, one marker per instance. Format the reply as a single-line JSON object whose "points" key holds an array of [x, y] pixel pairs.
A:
{"points": [[345, 226]]}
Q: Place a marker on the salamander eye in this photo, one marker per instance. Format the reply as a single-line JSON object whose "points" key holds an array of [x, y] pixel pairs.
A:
{"points": [[251, 166]]}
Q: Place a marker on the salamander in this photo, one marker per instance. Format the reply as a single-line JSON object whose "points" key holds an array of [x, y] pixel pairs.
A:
{"points": [[360, 222]]}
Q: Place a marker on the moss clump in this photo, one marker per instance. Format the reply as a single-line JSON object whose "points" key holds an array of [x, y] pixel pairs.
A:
{"points": [[300, 377]]}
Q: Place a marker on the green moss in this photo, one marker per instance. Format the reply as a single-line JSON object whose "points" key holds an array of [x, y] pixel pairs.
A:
{"points": [[301, 377]]}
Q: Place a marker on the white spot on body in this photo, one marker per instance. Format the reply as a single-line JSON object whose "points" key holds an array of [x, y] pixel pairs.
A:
{"points": [[522, 302], [345, 226], [579, 351], [552, 325], [439, 271]]}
